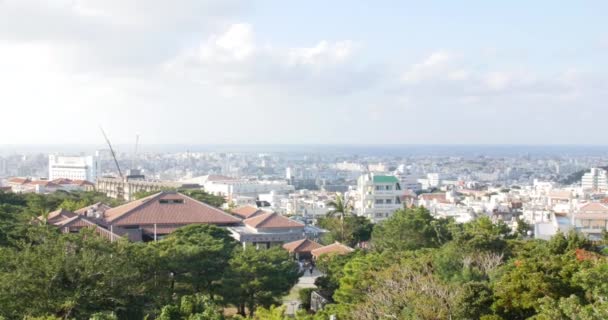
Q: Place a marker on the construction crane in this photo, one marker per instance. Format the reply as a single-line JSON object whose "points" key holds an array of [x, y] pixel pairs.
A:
{"points": [[112, 152]]}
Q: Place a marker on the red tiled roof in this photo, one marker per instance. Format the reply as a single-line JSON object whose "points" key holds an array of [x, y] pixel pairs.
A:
{"points": [[45, 183], [58, 216], [594, 207], [99, 207], [272, 220], [433, 196], [82, 182], [62, 181], [246, 212], [334, 248], [150, 210], [301, 246], [19, 180]]}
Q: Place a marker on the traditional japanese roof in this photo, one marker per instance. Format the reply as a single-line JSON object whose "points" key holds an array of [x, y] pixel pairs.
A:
{"points": [[62, 181], [301, 246], [246, 212], [19, 180], [334, 248], [594, 207], [272, 220], [82, 183], [167, 208], [45, 183], [80, 222], [58, 216], [99, 207], [592, 210], [385, 179]]}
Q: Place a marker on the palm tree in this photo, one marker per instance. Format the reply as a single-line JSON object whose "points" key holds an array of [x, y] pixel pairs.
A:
{"points": [[341, 208]]}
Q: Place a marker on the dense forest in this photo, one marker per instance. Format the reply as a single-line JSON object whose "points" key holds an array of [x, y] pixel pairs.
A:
{"points": [[416, 267]]}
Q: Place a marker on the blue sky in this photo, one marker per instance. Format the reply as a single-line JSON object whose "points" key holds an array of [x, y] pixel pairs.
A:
{"points": [[316, 72]]}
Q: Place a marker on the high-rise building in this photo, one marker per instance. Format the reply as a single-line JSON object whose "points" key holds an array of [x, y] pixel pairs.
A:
{"points": [[378, 196], [73, 167], [596, 180]]}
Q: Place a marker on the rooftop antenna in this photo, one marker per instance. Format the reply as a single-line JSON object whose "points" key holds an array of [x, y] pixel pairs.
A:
{"points": [[112, 152]]}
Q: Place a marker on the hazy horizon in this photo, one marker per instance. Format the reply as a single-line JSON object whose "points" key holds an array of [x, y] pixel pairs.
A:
{"points": [[345, 149]]}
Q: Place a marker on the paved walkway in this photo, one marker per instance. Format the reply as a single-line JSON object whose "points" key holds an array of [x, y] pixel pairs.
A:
{"points": [[306, 281]]}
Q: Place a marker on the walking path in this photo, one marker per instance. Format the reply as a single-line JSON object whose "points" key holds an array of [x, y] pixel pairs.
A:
{"points": [[307, 280]]}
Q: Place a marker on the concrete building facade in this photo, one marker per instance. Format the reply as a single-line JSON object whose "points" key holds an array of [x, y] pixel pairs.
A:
{"points": [[378, 196], [74, 168]]}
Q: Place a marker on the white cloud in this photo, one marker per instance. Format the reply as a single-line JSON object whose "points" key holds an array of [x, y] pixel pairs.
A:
{"points": [[234, 59], [236, 44], [324, 53], [434, 66]]}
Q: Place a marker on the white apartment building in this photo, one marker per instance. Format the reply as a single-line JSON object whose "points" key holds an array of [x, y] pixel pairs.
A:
{"points": [[596, 180], [432, 181], [73, 167], [349, 166], [236, 187], [378, 196]]}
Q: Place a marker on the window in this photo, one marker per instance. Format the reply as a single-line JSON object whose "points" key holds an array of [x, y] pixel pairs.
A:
{"points": [[389, 188], [379, 201], [389, 201], [378, 187], [168, 201]]}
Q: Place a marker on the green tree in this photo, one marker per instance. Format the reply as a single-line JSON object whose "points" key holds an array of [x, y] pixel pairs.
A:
{"points": [[304, 295], [357, 229], [195, 257], [481, 234], [205, 197], [259, 277], [340, 208], [68, 275], [73, 205], [409, 229]]}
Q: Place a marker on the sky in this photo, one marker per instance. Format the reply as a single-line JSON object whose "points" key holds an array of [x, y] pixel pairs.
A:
{"points": [[304, 72]]}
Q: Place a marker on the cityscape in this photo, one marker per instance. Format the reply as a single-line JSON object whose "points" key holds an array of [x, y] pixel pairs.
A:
{"points": [[268, 160]]}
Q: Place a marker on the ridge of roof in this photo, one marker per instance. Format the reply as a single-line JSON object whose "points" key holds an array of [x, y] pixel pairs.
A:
{"points": [[260, 221], [298, 244], [127, 210], [110, 216]]}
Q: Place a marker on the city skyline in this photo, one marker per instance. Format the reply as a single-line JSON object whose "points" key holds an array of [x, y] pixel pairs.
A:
{"points": [[225, 72]]}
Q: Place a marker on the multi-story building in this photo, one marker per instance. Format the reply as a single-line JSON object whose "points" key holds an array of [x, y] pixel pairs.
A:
{"points": [[596, 180], [591, 220], [239, 187], [74, 168], [269, 229], [378, 196], [126, 189]]}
